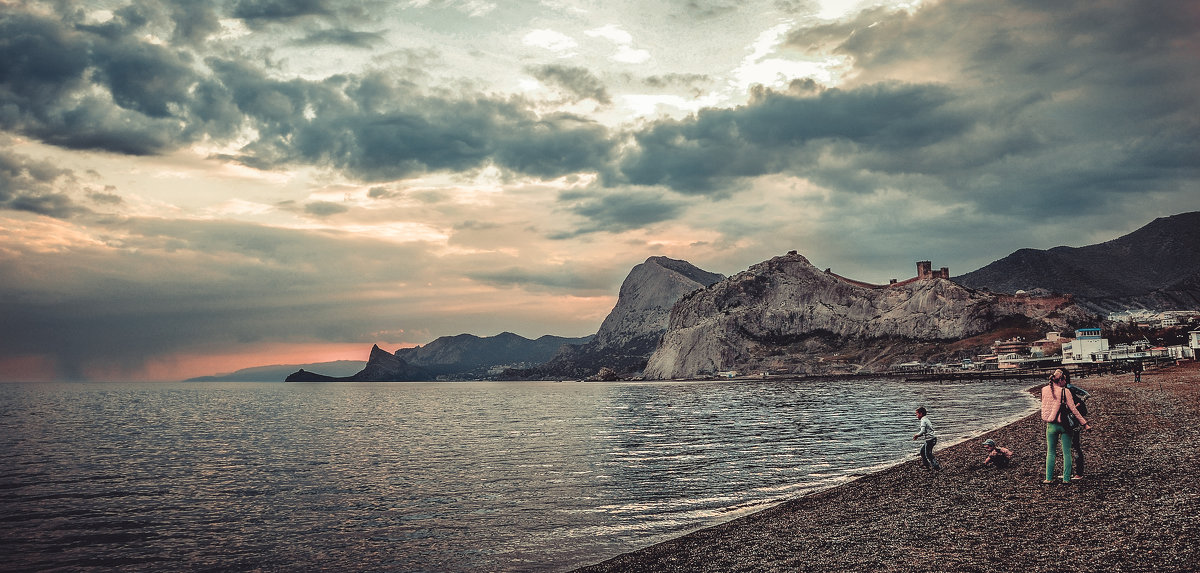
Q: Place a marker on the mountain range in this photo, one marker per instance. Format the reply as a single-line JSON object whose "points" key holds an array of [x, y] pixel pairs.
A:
{"points": [[1155, 267], [464, 356], [673, 319]]}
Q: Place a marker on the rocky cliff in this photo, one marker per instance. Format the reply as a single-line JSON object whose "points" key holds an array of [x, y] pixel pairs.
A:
{"points": [[786, 316], [631, 331]]}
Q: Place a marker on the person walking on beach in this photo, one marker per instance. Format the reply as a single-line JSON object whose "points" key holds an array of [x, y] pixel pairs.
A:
{"points": [[1055, 396], [1080, 396], [925, 429]]}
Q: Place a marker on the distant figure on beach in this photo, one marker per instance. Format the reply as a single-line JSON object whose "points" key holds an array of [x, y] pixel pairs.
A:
{"points": [[997, 457], [1137, 371], [925, 430], [1080, 396], [1056, 398]]}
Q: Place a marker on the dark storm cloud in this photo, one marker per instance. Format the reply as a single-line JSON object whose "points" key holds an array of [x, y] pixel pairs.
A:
{"points": [[1035, 110], [265, 10], [145, 78], [375, 128], [194, 22], [616, 212], [580, 82], [1031, 107], [371, 126], [34, 186], [777, 132], [44, 70]]}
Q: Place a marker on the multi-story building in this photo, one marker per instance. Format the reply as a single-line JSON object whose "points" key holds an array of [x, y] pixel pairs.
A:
{"points": [[1088, 346]]}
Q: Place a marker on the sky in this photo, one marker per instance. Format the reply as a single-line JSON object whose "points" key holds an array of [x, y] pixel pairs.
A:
{"points": [[190, 188]]}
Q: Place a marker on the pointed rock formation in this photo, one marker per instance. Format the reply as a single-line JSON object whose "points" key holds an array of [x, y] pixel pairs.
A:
{"points": [[631, 331], [382, 366]]}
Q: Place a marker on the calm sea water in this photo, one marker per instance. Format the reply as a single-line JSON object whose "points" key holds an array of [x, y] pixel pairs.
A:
{"points": [[526, 476]]}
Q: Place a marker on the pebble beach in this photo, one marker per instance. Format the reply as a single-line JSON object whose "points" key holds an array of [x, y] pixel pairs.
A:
{"points": [[1136, 509]]}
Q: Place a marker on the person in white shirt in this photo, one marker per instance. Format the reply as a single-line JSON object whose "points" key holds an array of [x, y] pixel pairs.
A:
{"points": [[925, 429]]}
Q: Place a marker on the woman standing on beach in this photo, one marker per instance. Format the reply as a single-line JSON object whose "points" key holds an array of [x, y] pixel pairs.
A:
{"points": [[1055, 395]]}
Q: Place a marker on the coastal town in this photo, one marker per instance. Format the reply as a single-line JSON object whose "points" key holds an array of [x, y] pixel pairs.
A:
{"points": [[1149, 339]]}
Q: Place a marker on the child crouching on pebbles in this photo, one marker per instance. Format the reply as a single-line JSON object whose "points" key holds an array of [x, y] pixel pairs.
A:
{"points": [[997, 456]]}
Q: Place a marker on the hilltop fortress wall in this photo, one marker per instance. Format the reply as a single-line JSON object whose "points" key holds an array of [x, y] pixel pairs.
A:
{"points": [[925, 271]]}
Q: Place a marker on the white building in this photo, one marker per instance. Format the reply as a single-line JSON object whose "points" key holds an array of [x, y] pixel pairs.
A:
{"points": [[1181, 351], [1088, 346], [1194, 340], [1122, 316]]}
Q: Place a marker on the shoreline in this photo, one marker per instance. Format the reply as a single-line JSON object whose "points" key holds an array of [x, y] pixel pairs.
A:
{"points": [[1138, 508]]}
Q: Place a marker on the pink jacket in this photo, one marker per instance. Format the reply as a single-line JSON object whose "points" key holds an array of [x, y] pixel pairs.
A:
{"points": [[1051, 398]]}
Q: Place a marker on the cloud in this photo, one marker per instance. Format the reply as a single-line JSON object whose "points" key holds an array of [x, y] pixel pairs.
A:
{"points": [[342, 37], [266, 10], [195, 22], [1057, 109], [548, 278], [626, 53], [48, 94], [778, 132], [157, 286], [551, 40], [580, 82], [151, 100], [618, 211], [35, 186], [324, 208]]}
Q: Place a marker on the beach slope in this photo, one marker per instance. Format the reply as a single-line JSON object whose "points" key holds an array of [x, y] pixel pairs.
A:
{"points": [[1137, 509]]}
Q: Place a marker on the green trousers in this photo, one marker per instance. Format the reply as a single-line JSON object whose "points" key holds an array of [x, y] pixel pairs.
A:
{"points": [[1058, 433]]}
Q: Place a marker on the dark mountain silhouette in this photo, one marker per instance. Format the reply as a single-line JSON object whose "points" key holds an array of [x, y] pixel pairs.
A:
{"points": [[467, 355], [1154, 267], [464, 356], [382, 366], [277, 372]]}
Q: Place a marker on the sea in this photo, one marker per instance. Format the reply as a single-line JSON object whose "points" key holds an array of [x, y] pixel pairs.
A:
{"points": [[445, 476]]}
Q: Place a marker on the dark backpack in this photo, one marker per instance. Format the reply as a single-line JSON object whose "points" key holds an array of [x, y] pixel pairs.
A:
{"points": [[1080, 405]]}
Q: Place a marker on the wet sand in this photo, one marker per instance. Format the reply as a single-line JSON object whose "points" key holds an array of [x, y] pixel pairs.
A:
{"points": [[1137, 508]]}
